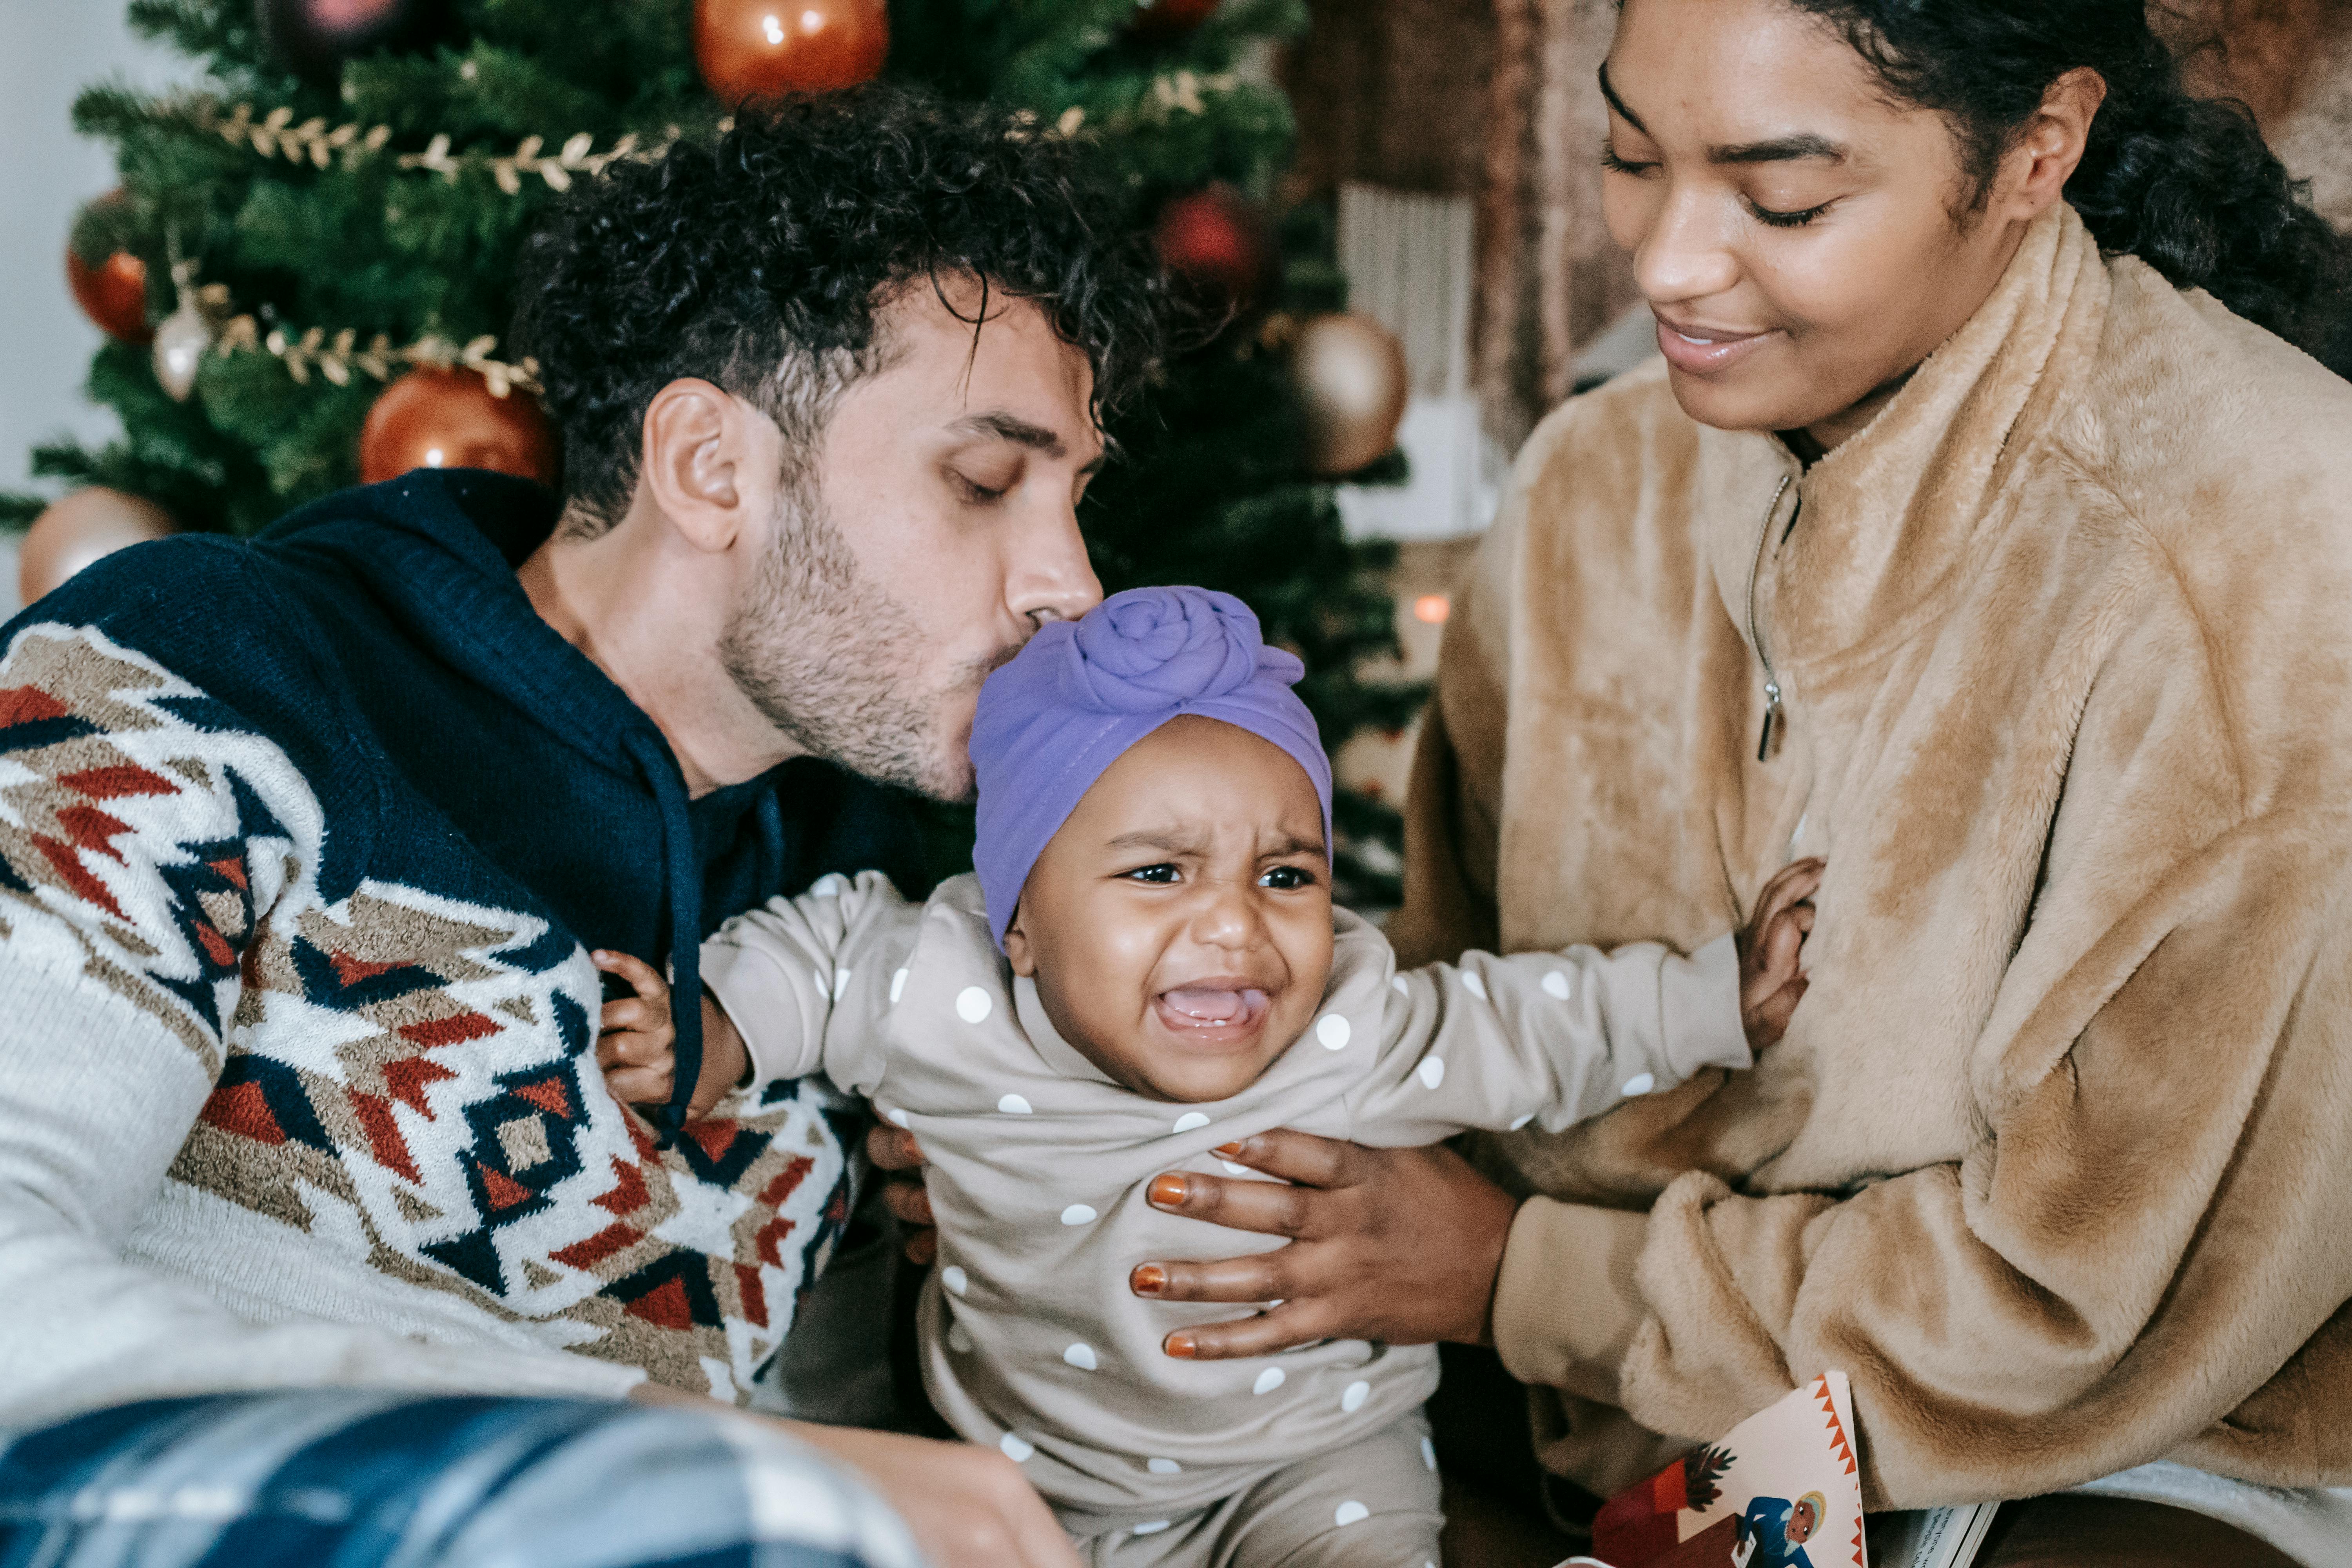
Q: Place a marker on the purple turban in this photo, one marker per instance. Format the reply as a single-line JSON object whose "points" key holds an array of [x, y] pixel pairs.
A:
{"points": [[1082, 692]]}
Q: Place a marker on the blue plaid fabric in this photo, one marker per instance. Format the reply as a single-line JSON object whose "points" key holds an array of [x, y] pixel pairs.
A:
{"points": [[351, 1478]]}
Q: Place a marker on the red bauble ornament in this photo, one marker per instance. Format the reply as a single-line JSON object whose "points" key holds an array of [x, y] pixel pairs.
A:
{"points": [[314, 37], [450, 419], [1215, 243], [80, 529], [108, 279], [751, 50], [1171, 18], [113, 294]]}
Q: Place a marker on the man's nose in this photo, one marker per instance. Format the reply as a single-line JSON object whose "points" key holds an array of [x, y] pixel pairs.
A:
{"points": [[1049, 576], [1684, 258]]}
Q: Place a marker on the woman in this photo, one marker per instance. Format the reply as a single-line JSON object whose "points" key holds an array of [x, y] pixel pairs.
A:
{"points": [[1961, 539]]}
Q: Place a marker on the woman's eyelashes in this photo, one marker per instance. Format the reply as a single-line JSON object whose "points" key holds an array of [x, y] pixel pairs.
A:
{"points": [[1617, 165], [1774, 217]]}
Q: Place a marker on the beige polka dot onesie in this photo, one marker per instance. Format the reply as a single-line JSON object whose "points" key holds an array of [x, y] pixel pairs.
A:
{"points": [[1032, 1341]]}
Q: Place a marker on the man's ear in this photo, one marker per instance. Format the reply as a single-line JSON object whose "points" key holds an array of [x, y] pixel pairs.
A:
{"points": [[702, 463], [1016, 948]]}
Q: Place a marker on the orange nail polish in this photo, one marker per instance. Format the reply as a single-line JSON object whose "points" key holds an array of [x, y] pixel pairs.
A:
{"points": [[1148, 1279], [1167, 1191], [1180, 1346], [1227, 1151]]}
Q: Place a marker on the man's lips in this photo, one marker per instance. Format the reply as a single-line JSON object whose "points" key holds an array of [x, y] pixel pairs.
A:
{"points": [[1218, 1010], [1697, 350]]}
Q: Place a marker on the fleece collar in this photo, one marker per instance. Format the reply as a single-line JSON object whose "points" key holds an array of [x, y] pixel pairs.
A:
{"points": [[1857, 551]]}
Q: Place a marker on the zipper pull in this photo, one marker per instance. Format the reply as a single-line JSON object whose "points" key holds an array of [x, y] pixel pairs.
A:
{"points": [[1771, 717]]}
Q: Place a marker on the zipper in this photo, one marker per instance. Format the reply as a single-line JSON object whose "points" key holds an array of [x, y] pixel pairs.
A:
{"points": [[1772, 712]]}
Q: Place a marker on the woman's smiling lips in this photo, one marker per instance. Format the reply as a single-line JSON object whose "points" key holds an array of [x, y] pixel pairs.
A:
{"points": [[1216, 1010], [1697, 350]]}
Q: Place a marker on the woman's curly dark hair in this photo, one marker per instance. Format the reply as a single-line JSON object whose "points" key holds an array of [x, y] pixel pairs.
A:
{"points": [[2184, 183], [759, 261]]}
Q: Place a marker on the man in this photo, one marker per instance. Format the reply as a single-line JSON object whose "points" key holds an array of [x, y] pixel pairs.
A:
{"points": [[307, 848]]}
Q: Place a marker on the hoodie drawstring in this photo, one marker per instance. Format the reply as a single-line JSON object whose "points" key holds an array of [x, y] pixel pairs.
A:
{"points": [[682, 876]]}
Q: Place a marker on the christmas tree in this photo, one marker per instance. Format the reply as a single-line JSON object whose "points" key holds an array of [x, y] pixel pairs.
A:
{"points": [[327, 218]]}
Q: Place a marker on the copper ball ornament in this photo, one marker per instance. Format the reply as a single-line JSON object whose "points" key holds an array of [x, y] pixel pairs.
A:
{"points": [[315, 37], [1350, 375], [751, 50], [113, 294], [434, 418], [80, 529], [1216, 244]]}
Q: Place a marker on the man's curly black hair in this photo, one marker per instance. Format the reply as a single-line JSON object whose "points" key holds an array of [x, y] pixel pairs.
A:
{"points": [[757, 262]]}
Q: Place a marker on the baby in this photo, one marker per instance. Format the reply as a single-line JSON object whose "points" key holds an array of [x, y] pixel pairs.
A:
{"points": [[1147, 967]]}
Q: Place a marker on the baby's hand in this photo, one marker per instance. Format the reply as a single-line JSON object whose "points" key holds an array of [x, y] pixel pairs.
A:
{"points": [[637, 1044], [1771, 982], [638, 1047]]}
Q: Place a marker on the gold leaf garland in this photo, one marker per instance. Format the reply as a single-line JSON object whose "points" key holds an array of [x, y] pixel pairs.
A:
{"points": [[336, 355], [315, 143]]}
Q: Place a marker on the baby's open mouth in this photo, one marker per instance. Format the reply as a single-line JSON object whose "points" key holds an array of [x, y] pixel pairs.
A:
{"points": [[1212, 1011]]}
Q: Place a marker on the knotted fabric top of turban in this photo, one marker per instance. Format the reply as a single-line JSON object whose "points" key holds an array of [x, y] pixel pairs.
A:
{"points": [[1069, 704]]}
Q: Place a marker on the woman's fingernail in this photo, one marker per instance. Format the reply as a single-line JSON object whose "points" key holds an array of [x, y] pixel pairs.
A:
{"points": [[1180, 1346], [1167, 1191], [1227, 1151], [1148, 1279]]}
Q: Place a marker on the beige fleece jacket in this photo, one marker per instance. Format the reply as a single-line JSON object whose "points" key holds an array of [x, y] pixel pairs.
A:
{"points": [[2055, 1161]]}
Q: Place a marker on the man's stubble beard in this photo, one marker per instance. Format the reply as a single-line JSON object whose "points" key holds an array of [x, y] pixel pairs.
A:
{"points": [[836, 663]]}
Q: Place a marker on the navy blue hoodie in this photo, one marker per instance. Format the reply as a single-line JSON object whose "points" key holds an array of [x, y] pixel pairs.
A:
{"points": [[335, 813]]}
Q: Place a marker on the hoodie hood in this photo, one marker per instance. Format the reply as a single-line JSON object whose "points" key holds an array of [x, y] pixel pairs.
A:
{"points": [[436, 552]]}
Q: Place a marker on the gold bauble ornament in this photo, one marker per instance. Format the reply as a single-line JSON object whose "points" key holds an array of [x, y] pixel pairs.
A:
{"points": [[1350, 375], [80, 529], [751, 50]]}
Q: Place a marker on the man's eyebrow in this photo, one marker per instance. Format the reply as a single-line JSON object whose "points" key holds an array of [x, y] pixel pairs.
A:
{"points": [[1773, 150], [1011, 428]]}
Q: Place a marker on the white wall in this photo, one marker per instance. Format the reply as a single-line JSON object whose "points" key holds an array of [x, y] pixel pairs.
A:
{"points": [[49, 49]]}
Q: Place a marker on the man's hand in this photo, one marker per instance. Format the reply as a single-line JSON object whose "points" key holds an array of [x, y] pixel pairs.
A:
{"points": [[1771, 984], [1397, 1245], [895, 1149], [966, 1507]]}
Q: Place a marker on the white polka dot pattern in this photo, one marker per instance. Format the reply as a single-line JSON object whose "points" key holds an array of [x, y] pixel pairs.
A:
{"points": [[1639, 1083], [1350, 1513], [1016, 1448], [1153, 1528], [897, 1116], [1396, 984], [1475, 983], [1190, 1120], [829, 885], [1164, 1467], [1082, 1356], [1353, 1399], [840, 983], [1555, 985], [1432, 1072], [1332, 1030], [1523, 1121], [955, 1279], [1077, 1214], [972, 1004], [1013, 1105], [1233, 1170], [960, 1339], [897, 986], [1268, 1381], [1428, 1454]]}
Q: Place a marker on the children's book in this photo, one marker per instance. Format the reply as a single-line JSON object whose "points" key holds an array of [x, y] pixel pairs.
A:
{"points": [[1780, 1490]]}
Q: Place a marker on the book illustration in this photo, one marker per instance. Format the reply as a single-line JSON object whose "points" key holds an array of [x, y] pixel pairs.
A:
{"points": [[1780, 1490]]}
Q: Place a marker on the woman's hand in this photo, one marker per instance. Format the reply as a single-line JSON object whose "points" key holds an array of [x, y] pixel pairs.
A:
{"points": [[895, 1149], [1397, 1245]]}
